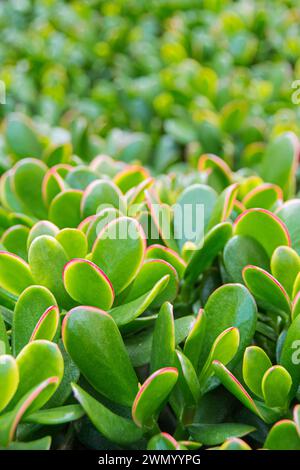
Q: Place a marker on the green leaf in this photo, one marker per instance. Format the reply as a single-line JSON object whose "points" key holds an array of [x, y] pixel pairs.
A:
{"points": [[235, 387], [223, 350], [195, 202], [55, 416], [43, 227], [265, 227], [101, 194], [87, 284], [264, 196], [152, 396], [278, 170], [289, 357], [115, 428], [194, 341], [64, 210], [168, 255], [28, 177], [119, 251], [9, 379], [223, 206], [268, 292], [285, 266], [22, 137], [283, 436], [162, 441], [47, 259], [15, 240], [276, 385], [149, 274], [188, 382], [73, 241], [47, 325], [39, 444], [234, 444], [4, 343], [139, 346], [31, 373], [296, 415], [289, 213], [241, 251], [32, 304], [213, 434], [255, 364], [93, 341], [296, 306], [214, 242], [240, 312], [15, 274], [163, 342], [10, 420], [125, 313]]}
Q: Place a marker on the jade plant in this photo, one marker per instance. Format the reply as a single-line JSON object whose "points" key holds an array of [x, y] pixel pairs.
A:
{"points": [[121, 329]]}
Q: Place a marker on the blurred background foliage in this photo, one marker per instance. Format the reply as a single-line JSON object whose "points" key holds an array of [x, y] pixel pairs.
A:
{"points": [[155, 81]]}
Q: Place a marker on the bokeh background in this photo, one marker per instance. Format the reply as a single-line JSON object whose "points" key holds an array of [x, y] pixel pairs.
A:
{"points": [[158, 81]]}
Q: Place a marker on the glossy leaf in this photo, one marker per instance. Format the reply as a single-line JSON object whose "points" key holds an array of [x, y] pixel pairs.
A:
{"points": [[31, 373], [115, 428], [119, 251], [93, 341], [163, 342], [202, 259], [152, 396], [266, 228], [240, 313], [9, 379], [276, 385], [268, 292], [127, 312], [150, 273], [87, 284], [32, 305], [255, 365], [15, 274]]}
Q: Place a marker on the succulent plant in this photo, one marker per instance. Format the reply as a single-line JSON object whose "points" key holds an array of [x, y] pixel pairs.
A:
{"points": [[130, 332]]}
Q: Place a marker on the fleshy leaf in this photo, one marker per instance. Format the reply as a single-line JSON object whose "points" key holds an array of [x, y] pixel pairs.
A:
{"points": [[240, 312], [10, 420], [150, 273], [15, 274], [202, 258], [163, 342], [213, 434], [47, 259], [32, 304], [87, 284], [31, 373], [127, 312], [265, 227], [241, 251], [283, 436], [55, 416], [9, 379], [276, 385], [73, 241], [119, 251], [64, 210], [255, 365], [115, 428], [93, 341], [285, 266], [268, 292], [152, 396]]}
